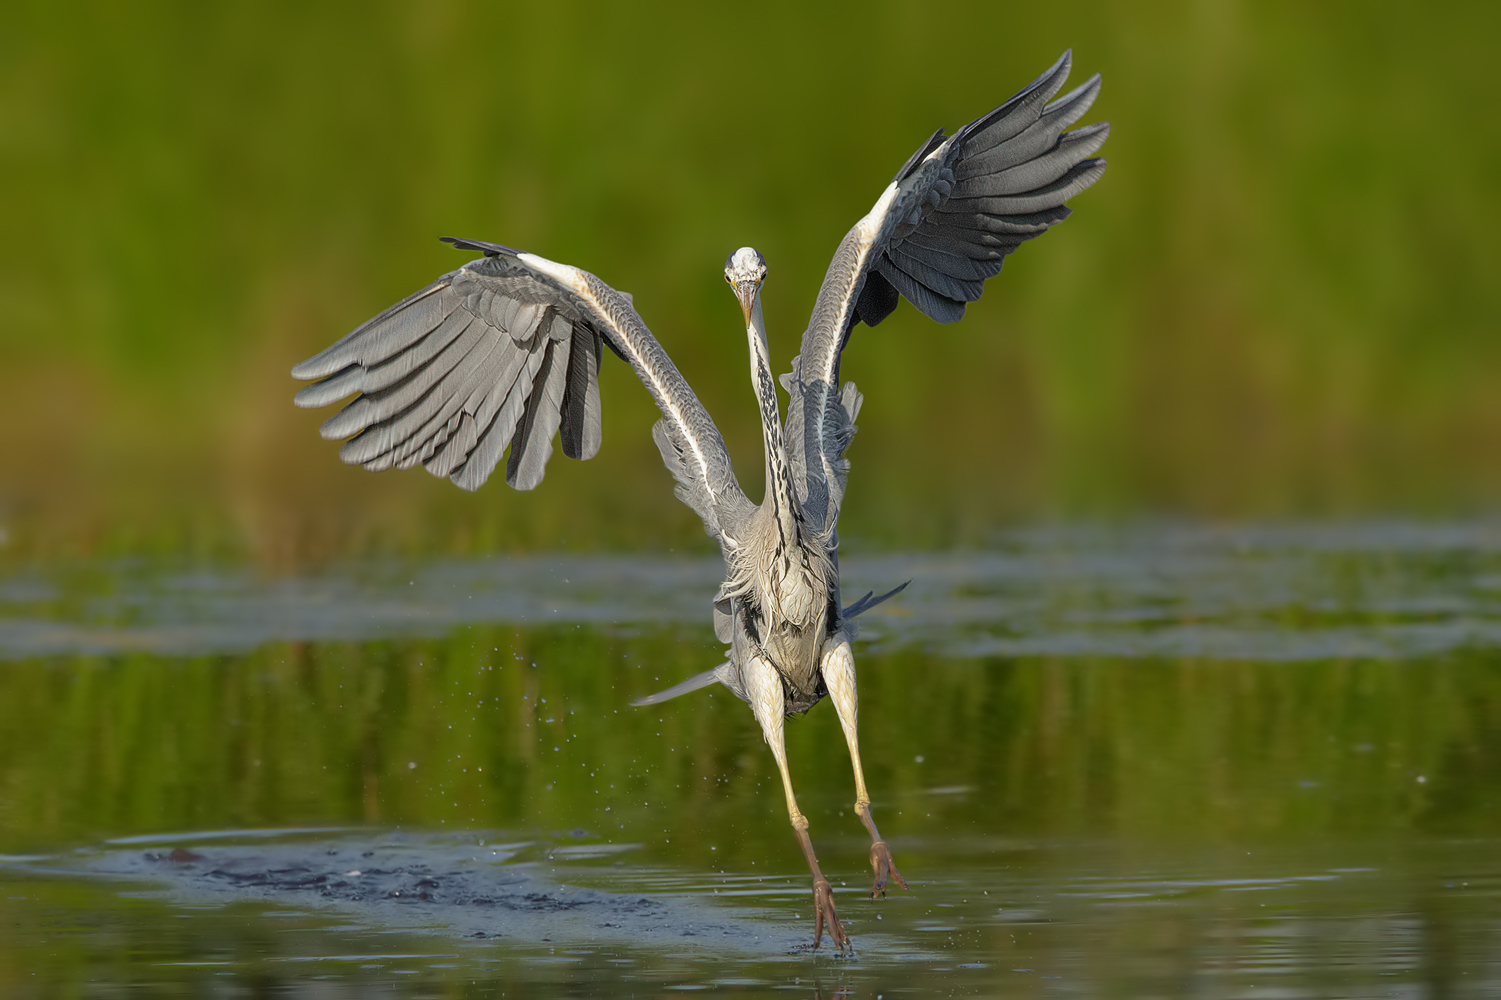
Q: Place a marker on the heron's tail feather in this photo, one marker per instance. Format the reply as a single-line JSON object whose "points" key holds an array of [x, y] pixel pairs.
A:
{"points": [[702, 680], [867, 602]]}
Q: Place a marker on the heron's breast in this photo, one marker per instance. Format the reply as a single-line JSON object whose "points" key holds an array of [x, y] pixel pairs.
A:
{"points": [[799, 597], [794, 652]]}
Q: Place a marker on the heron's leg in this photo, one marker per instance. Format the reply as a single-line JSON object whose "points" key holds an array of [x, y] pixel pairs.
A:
{"points": [[839, 677], [764, 685]]}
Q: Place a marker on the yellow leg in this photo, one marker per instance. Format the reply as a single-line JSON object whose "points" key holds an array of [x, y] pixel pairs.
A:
{"points": [[838, 668], [764, 685]]}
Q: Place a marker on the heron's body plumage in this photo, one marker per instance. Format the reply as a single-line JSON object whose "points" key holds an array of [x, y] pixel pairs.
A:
{"points": [[783, 594]]}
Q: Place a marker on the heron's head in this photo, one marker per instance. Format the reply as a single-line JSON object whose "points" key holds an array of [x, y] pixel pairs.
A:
{"points": [[745, 270]]}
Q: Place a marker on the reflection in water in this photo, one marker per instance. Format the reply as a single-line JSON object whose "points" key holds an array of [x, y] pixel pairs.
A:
{"points": [[1079, 790], [1377, 590]]}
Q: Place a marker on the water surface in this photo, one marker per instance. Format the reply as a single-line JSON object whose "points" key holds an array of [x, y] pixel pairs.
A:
{"points": [[1155, 761]]}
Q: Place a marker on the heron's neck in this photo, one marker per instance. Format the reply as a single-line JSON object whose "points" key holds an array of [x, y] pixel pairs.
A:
{"points": [[778, 477]]}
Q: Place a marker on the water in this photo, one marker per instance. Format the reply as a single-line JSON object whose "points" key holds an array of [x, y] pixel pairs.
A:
{"points": [[1375, 590], [1155, 761]]}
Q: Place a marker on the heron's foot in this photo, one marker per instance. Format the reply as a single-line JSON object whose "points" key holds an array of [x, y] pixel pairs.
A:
{"points": [[884, 867], [823, 909]]}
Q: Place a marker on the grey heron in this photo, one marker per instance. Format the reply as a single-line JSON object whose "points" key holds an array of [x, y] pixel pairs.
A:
{"points": [[505, 352]]}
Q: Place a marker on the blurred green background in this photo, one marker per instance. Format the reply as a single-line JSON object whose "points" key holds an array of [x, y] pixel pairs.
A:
{"points": [[1280, 300]]}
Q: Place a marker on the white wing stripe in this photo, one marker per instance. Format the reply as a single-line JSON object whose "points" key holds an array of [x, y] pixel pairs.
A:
{"points": [[574, 280]]}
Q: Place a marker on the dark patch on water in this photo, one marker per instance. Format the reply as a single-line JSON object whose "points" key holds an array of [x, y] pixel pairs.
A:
{"points": [[463, 886]]}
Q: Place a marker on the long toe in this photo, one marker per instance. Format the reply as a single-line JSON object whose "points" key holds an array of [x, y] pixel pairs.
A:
{"points": [[823, 909], [884, 867]]}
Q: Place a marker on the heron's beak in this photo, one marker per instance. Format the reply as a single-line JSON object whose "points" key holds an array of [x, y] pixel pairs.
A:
{"points": [[746, 292]]}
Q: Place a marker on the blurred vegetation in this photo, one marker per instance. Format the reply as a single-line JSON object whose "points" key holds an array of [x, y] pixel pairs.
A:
{"points": [[1280, 300], [498, 728]]}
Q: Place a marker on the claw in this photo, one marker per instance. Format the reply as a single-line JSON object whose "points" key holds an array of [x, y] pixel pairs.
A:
{"points": [[881, 863], [823, 908]]}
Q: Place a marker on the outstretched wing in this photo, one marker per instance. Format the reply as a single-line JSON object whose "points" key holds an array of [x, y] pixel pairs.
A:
{"points": [[939, 231], [504, 352]]}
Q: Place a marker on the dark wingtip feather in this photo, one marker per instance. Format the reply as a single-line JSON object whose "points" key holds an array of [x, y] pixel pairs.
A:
{"points": [[488, 249], [934, 141], [1052, 80], [878, 299], [869, 601]]}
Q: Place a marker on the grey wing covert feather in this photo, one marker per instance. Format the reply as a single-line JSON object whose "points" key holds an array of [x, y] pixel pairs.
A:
{"points": [[957, 208], [500, 355]]}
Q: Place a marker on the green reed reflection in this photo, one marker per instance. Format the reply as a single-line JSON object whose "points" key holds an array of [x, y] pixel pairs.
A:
{"points": [[529, 729]]}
